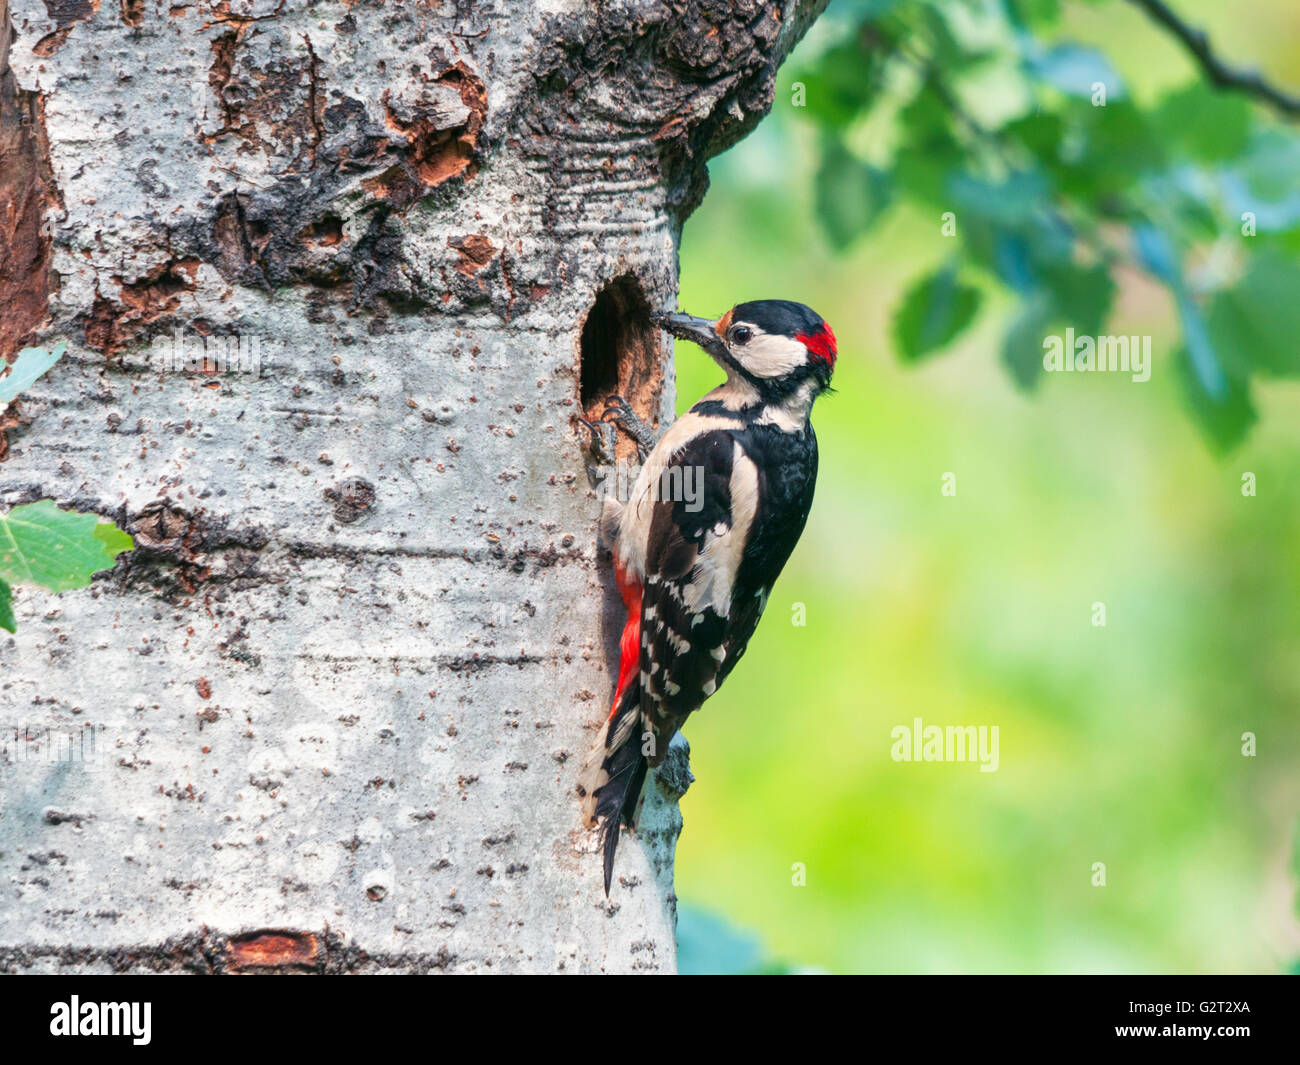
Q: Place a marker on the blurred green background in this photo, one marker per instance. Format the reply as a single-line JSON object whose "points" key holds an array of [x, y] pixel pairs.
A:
{"points": [[1119, 744]]}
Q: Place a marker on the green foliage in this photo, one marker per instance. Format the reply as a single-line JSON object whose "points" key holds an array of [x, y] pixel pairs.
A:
{"points": [[1119, 743], [30, 364], [850, 195], [934, 311], [1022, 347], [40, 544], [1210, 126], [56, 549], [7, 608], [1052, 178], [1256, 322]]}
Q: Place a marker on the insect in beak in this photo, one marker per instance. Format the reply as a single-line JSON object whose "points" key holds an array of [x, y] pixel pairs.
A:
{"points": [[702, 331]]}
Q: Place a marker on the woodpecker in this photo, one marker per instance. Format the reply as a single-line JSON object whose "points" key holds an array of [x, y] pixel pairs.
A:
{"points": [[695, 569]]}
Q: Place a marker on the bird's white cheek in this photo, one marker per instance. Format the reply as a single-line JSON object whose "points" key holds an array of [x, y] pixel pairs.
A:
{"points": [[771, 356]]}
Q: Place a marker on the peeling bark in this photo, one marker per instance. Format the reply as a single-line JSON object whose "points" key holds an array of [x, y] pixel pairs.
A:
{"points": [[27, 191], [341, 689]]}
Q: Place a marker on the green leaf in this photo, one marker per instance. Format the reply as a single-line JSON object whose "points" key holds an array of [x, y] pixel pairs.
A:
{"points": [[1190, 203], [30, 365], [868, 10], [1009, 256], [1022, 347], [1205, 123], [1040, 133], [1110, 148], [844, 83], [1123, 142], [1037, 10], [1255, 324], [115, 541], [56, 549], [1269, 166], [1010, 226], [1011, 202], [1204, 359], [933, 312], [1262, 181], [7, 608], [850, 195], [1082, 296], [1225, 421], [929, 151]]}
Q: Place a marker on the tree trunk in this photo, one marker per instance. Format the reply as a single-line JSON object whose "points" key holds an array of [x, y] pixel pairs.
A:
{"points": [[336, 279]]}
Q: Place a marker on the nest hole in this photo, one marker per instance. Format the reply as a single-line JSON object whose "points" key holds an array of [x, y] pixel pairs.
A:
{"points": [[621, 355]]}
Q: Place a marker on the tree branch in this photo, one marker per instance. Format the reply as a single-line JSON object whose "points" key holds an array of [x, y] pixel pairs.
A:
{"points": [[1250, 82]]}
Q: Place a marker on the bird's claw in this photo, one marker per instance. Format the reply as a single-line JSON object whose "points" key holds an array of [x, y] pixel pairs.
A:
{"points": [[604, 435], [619, 411], [619, 408]]}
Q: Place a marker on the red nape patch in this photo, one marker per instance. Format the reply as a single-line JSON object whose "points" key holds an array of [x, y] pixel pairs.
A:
{"points": [[821, 344], [629, 646]]}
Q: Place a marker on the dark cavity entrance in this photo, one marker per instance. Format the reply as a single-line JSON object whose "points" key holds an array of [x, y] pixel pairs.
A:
{"points": [[621, 356]]}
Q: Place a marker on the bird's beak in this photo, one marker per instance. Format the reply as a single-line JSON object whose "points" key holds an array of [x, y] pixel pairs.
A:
{"points": [[687, 327]]}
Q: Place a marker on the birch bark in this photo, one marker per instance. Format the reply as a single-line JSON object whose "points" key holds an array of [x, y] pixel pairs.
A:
{"points": [[333, 706]]}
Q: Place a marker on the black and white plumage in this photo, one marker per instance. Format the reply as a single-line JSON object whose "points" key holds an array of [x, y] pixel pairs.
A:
{"points": [[696, 567]]}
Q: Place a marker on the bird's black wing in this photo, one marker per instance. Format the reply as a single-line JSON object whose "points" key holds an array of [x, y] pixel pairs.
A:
{"points": [[694, 551]]}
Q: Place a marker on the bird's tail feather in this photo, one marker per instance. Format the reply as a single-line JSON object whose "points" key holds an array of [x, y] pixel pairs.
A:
{"points": [[619, 799], [613, 777]]}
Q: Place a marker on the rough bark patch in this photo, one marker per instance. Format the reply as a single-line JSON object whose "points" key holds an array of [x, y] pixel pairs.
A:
{"points": [[51, 42], [9, 419], [353, 500], [275, 950], [177, 551], [276, 107], [212, 953], [70, 12], [434, 155], [111, 325], [475, 252], [26, 191]]}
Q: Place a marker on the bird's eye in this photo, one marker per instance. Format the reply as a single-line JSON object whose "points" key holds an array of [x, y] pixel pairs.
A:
{"points": [[741, 334]]}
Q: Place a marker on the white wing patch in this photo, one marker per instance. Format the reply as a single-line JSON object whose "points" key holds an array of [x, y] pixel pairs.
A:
{"points": [[634, 521], [715, 570]]}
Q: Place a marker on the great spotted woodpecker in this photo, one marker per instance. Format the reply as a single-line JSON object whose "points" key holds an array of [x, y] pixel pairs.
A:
{"points": [[695, 572]]}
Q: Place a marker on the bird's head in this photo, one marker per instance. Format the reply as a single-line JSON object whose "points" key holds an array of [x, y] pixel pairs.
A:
{"points": [[776, 346]]}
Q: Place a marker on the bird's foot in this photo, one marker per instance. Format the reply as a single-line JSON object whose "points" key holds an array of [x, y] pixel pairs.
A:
{"points": [[601, 449], [619, 412]]}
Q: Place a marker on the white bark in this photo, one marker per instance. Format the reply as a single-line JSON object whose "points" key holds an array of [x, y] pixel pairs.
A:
{"points": [[342, 689]]}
